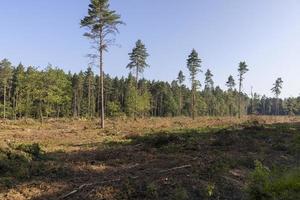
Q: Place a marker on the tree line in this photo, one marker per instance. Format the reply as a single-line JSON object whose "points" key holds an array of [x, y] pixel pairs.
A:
{"points": [[29, 92]]}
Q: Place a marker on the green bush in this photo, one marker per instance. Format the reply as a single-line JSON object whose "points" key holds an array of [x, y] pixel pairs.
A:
{"points": [[151, 191], [14, 163], [180, 193], [113, 109], [259, 182], [33, 149], [16, 160], [265, 184]]}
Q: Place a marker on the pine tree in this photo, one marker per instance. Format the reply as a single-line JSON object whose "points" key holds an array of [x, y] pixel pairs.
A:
{"points": [[138, 58], [5, 78], [208, 95], [180, 79], [102, 24], [193, 65], [277, 91], [243, 68], [89, 88], [230, 83], [209, 83], [18, 90]]}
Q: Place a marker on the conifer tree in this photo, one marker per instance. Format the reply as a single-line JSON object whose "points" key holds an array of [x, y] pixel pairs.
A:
{"points": [[277, 91], [18, 92], [138, 58], [180, 79], [5, 77], [243, 68], [209, 83], [194, 65], [89, 91], [102, 24], [230, 83], [231, 95]]}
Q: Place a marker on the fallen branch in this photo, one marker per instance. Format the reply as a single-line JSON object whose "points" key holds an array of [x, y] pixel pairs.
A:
{"points": [[175, 168], [87, 185]]}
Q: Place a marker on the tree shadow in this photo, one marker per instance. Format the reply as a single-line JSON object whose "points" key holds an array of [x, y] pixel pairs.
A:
{"points": [[165, 164]]}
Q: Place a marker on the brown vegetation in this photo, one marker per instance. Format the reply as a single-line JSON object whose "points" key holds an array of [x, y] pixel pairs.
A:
{"points": [[157, 158]]}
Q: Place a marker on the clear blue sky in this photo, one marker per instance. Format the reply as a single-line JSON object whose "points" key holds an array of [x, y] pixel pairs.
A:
{"points": [[266, 34]]}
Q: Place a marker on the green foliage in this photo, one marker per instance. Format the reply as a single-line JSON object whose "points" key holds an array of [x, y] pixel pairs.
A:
{"points": [[230, 83], [152, 192], [137, 104], [209, 83], [16, 160], [259, 182], [33, 149], [210, 189], [50, 92], [193, 65], [138, 58], [266, 184], [113, 109], [101, 19], [180, 193], [180, 78], [277, 87], [243, 68]]}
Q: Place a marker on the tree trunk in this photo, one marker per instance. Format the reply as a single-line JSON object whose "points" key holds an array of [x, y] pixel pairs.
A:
{"points": [[180, 101], [193, 102], [75, 104], [89, 98], [78, 104], [16, 106], [277, 106], [58, 112], [240, 90], [27, 105], [137, 77], [102, 87], [41, 113], [4, 100]]}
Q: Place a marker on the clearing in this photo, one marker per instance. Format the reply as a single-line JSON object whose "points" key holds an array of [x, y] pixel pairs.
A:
{"points": [[159, 158]]}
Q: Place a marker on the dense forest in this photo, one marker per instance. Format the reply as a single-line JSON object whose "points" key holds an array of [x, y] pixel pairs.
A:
{"points": [[30, 92]]}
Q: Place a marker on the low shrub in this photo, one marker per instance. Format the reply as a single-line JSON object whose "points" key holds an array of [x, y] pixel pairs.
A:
{"points": [[180, 193], [16, 160], [265, 184]]}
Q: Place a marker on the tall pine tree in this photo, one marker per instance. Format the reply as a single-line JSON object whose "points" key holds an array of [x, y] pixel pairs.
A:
{"points": [[102, 24], [277, 91], [180, 79], [243, 68], [194, 65]]}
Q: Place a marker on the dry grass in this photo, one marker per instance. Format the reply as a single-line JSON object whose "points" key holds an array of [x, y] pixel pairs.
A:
{"points": [[81, 153], [64, 133]]}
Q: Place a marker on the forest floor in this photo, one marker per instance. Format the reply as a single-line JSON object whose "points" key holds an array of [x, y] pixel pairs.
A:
{"points": [[157, 158]]}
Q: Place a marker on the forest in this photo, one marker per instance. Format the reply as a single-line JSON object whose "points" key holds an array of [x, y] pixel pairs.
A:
{"points": [[31, 92]]}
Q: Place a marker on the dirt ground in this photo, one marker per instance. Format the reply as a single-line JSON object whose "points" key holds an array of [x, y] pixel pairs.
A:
{"points": [[157, 158]]}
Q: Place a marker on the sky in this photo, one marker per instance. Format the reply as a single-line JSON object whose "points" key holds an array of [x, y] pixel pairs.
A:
{"points": [[265, 34]]}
